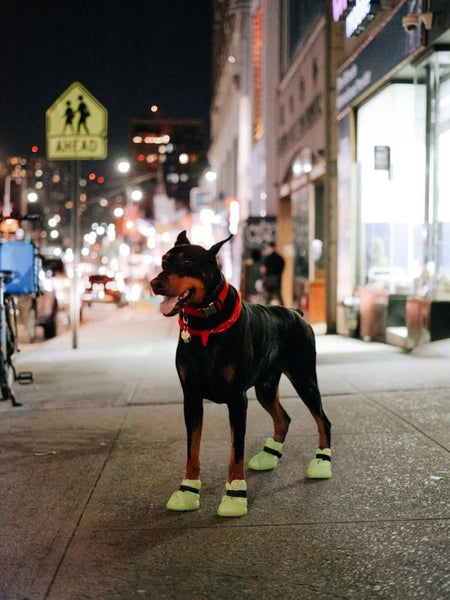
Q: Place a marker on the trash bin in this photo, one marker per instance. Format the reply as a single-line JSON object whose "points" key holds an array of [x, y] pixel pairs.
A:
{"points": [[352, 315]]}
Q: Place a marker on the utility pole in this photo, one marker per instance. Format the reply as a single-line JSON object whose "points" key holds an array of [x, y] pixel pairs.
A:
{"points": [[331, 179]]}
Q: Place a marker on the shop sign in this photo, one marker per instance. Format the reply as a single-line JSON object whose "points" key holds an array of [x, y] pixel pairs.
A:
{"points": [[258, 232], [382, 158], [341, 8], [351, 84], [306, 120], [198, 199], [357, 14], [388, 49], [359, 17]]}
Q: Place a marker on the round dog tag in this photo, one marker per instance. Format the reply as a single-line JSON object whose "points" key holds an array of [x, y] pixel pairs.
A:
{"points": [[185, 336]]}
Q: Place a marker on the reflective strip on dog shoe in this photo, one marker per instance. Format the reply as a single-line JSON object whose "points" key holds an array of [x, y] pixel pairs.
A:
{"points": [[187, 497], [237, 493], [272, 451], [187, 488], [320, 466], [267, 459], [234, 503], [323, 456]]}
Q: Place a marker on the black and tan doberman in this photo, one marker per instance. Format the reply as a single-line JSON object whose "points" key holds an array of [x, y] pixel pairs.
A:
{"points": [[226, 347]]}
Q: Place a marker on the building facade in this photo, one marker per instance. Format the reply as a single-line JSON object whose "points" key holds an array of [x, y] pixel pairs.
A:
{"points": [[271, 141], [330, 126], [304, 151], [392, 107]]}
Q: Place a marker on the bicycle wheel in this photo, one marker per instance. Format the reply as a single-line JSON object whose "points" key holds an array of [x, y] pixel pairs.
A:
{"points": [[5, 378]]}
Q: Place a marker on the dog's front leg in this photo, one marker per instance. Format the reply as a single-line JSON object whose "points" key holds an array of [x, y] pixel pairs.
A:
{"points": [[187, 497], [234, 503], [193, 418]]}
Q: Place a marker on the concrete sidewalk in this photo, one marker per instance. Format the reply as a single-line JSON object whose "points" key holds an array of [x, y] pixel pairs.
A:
{"points": [[91, 458]]}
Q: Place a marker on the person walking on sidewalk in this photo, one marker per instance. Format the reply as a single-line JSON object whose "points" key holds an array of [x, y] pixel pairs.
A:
{"points": [[272, 269]]}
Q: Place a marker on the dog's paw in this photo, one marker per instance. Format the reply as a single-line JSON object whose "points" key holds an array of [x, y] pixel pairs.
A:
{"points": [[234, 503], [187, 497], [267, 459], [320, 466]]}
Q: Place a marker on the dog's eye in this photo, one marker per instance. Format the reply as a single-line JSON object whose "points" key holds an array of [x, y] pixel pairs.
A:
{"points": [[187, 262]]}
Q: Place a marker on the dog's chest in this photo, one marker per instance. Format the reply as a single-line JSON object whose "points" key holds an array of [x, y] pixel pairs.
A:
{"points": [[211, 372]]}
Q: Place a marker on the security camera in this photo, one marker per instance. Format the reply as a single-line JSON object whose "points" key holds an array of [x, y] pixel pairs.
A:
{"points": [[427, 19], [410, 22]]}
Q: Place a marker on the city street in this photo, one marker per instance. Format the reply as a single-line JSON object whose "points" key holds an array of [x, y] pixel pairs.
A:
{"points": [[90, 459]]}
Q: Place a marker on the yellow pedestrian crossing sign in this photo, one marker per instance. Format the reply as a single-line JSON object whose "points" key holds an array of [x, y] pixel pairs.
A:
{"points": [[76, 126]]}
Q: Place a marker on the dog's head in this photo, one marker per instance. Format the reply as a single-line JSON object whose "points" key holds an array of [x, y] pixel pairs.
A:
{"points": [[190, 274]]}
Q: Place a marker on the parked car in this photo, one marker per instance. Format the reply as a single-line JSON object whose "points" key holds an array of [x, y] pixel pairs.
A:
{"points": [[49, 306], [102, 288]]}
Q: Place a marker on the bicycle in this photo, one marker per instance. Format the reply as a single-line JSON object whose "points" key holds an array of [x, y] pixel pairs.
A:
{"points": [[17, 275], [8, 332]]}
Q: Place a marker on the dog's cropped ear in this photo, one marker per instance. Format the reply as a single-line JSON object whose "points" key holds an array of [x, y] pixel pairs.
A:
{"points": [[215, 249], [182, 239]]}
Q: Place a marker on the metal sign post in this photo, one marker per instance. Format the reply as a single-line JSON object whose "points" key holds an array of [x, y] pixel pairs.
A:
{"points": [[74, 296], [76, 128]]}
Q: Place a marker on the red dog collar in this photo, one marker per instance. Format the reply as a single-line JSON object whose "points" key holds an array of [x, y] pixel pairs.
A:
{"points": [[187, 332], [212, 308]]}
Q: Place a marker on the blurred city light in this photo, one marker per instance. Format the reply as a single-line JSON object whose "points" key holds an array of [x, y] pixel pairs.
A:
{"points": [[123, 165], [136, 195], [210, 176]]}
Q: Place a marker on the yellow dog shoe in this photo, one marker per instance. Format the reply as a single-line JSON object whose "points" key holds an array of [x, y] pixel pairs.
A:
{"points": [[234, 503], [187, 497], [320, 467], [267, 459]]}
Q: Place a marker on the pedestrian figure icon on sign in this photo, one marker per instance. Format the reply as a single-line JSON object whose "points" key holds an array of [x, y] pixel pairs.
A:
{"points": [[84, 114], [69, 116]]}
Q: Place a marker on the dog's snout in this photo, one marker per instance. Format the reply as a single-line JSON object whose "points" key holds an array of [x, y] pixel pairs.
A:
{"points": [[155, 284]]}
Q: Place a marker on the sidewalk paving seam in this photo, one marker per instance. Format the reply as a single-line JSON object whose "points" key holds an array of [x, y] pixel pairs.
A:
{"points": [[358, 392], [389, 410], [83, 510], [241, 525]]}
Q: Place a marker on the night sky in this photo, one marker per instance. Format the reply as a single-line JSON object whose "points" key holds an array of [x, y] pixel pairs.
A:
{"points": [[129, 54]]}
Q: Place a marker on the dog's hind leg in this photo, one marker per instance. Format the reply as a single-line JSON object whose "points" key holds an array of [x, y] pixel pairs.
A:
{"points": [[304, 379], [234, 503], [268, 396]]}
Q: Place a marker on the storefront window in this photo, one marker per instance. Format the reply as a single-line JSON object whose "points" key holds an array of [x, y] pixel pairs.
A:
{"points": [[301, 232], [391, 164], [442, 213]]}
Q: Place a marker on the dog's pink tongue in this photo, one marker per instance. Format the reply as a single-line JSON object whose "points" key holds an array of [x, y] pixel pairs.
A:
{"points": [[168, 304]]}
